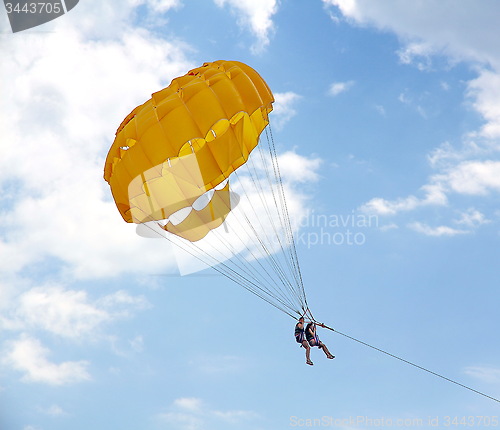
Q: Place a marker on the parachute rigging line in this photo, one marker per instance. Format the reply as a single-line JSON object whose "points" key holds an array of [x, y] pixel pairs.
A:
{"points": [[279, 179], [222, 268], [409, 362]]}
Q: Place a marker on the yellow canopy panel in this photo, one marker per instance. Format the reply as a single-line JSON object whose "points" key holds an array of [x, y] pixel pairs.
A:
{"points": [[199, 222]]}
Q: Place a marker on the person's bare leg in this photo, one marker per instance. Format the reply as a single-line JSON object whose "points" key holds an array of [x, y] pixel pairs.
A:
{"points": [[308, 351], [327, 353]]}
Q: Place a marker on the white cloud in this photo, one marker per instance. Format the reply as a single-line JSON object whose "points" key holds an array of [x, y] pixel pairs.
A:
{"points": [[444, 154], [382, 206], [65, 313], [339, 87], [295, 168], [418, 53], [284, 108], [66, 96], [255, 14], [387, 227], [486, 374], [441, 230], [445, 86], [69, 313], [30, 357], [484, 91], [474, 177], [192, 404]]}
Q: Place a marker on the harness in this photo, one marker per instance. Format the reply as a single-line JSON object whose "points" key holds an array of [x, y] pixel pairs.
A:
{"points": [[299, 334]]}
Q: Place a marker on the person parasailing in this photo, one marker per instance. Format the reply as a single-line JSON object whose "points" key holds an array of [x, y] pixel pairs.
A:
{"points": [[301, 339], [313, 339]]}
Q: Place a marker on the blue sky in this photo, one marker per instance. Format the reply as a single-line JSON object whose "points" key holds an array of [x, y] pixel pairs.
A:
{"points": [[386, 112]]}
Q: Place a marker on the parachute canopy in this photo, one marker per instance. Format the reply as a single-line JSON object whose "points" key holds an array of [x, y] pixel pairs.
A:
{"points": [[184, 141], [171, 166]]}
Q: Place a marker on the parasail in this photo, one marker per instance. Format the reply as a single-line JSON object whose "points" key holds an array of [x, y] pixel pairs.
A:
{"points": [[197, 165]]}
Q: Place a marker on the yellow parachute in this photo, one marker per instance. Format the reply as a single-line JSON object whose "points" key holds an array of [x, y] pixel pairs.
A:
{"points": [[184, 141], [170, 166]]}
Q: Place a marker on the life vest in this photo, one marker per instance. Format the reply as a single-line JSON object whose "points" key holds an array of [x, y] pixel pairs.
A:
{"points": [[299, 333]]}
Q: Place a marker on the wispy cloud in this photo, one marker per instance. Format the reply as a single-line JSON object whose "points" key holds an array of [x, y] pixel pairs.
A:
{"points": [[339, 87], [137, 343], [418, 53], [53, 411], [433, 195], [387, 227], [471, 218], [192, 413], [192, 404], [380, 109], [488, 374], [414, 102], [438, 231], [284, 108]]}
